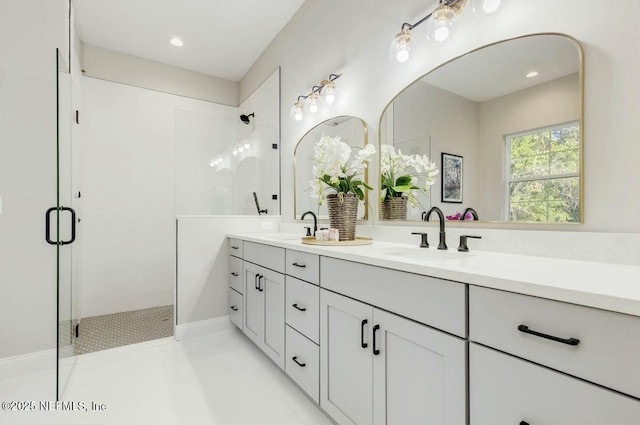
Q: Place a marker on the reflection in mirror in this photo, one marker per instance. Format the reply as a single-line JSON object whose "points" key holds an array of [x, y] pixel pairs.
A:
{"points": [[512, 113], [353, 132]]}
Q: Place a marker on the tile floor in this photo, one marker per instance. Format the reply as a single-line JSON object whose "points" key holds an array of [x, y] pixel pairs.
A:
{"points": [[130, 327], [217, 379]]}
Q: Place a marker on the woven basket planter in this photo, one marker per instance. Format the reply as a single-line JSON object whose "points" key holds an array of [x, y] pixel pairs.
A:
{"points": [[394, 208], [343, 213]]}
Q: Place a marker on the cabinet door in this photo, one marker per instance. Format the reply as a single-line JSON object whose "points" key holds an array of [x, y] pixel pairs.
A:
{"points": [[419, 374], [346, 361], [271, 285], [253, 304], [506, 390]]}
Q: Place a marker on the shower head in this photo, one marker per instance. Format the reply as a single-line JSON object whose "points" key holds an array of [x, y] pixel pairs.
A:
{"points": [[246, 118]]}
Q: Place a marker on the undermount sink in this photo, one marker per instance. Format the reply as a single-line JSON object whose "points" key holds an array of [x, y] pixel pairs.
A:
{"points": [[425, 254]]}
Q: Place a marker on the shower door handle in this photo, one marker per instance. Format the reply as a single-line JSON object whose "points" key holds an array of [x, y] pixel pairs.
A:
{"points": [[73, 225], [47, 226]]}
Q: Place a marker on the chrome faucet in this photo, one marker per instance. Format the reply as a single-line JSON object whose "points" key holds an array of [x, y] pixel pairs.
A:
{"points": [[315, 223], [473, 212], [427, 215]]}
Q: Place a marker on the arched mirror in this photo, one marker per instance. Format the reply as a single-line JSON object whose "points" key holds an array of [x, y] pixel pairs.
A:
{"points": [[350, 130], [502, 125]]}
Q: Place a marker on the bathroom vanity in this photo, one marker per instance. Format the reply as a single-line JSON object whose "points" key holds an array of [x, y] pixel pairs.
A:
{"points": [[394, 334]]}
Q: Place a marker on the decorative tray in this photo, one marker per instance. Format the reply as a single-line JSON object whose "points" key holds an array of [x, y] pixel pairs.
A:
{"points": [[311, 240]]}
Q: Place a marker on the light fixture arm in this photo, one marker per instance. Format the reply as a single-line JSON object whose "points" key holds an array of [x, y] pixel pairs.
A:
{"points": [[408, 26]]}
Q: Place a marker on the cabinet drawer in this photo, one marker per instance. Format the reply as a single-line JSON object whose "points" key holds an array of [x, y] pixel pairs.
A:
{"points": [[303, 307], [267, 256], [304, 266], [235, 247], [608, 352], [235, 274], [235, 307], [434, 302], [305, 369], [506, 390]]}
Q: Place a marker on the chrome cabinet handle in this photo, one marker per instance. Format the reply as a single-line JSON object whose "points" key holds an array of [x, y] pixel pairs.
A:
{"points": [[568, 341]]}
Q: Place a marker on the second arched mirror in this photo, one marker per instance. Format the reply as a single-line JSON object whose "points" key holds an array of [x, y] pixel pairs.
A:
{"points": [[349, 130], [503, 124]]}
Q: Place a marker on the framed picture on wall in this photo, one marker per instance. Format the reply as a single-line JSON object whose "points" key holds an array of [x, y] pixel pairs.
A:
{"points": [[451, 167]]}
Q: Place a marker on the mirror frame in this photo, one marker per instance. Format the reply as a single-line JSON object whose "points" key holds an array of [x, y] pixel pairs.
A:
{"points": [[580, 126], [365, 130]]}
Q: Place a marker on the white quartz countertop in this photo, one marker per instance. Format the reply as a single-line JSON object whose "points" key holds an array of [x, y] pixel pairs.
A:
{"points": [[606, 286]]}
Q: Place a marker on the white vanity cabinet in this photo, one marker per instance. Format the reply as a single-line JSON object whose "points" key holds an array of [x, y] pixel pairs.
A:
{"points": [[505, 390], [236, 286], [379, 368], [598, 346], [264, 299], [303, 321]]}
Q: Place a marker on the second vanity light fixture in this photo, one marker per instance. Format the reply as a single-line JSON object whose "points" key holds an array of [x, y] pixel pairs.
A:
{"points": [[440, 24], [325, 91]]}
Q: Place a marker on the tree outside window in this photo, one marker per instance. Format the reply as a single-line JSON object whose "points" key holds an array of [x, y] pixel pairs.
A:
{"points": [[543, 169]]}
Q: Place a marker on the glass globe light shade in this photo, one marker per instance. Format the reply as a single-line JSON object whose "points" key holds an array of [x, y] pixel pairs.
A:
{"points": [[400, 49], [240, 149], [440, 25], [247, 145], [235, 152], [487, 7], [312, 103], [329, 92], [297, 111]]}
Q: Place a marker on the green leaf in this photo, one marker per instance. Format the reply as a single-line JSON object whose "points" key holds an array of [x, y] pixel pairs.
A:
{"points": [[403, 181]]}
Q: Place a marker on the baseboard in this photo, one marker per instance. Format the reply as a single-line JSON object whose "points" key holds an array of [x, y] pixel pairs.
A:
{"points": [[27, 364], [203, 327]]}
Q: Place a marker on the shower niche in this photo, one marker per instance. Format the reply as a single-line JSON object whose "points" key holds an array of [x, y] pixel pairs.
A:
{"points": [[229, 163]]}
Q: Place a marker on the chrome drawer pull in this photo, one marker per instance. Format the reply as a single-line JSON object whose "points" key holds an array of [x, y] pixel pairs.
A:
{"points": [[569, 341], [299, 265], [234, 274], [299, 308], [234, 308], [295, 359]]}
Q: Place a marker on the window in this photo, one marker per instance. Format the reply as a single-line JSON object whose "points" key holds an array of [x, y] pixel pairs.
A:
{"points": [[543, 169]]}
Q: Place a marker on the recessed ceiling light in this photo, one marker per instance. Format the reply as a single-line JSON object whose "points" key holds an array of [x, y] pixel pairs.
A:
{"points": [[532, 74], [176, 42]]}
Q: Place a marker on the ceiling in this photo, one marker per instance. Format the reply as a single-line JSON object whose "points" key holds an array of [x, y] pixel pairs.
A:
{"points": [[222, 38], [500, 69]]}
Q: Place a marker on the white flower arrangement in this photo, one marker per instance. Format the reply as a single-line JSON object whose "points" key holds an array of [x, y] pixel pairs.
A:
{"points": [[333, 170], [396, 177]]}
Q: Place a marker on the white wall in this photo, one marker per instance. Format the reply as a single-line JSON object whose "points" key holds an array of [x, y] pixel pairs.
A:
{"points": [[30, 31], [203, 263], [128, 219], [353, 39], [119, 67]]}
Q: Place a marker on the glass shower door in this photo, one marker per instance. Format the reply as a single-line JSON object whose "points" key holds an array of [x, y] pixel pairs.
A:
{"points": [[61, 231]]}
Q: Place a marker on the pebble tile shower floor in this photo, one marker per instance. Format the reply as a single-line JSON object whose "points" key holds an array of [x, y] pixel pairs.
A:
{"points": [[130, 327]]}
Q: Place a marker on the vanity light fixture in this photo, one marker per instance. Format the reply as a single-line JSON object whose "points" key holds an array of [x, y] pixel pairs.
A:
{"points": [[176, 42], [325, 91], [439, 24]]}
